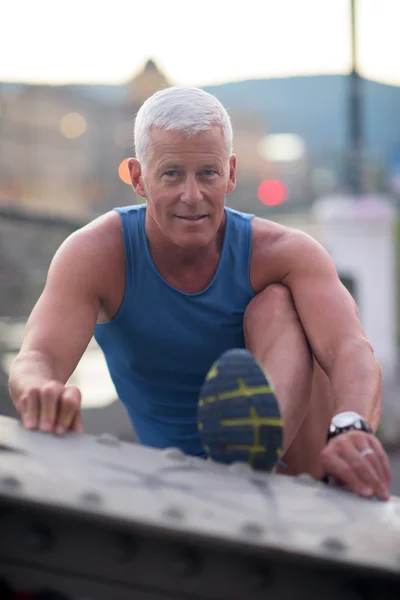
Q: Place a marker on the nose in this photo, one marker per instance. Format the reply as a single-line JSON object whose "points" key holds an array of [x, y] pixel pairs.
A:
{"points": [[191, 193]]}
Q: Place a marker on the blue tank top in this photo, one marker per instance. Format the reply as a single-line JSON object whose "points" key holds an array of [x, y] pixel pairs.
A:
{"points": [[162, 342]]}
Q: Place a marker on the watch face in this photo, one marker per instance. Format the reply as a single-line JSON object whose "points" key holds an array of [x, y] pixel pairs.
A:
{"points": [[345, 419]]}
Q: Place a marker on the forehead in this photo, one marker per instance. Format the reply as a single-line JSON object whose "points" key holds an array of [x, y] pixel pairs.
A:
{"points": [[166, 145]]}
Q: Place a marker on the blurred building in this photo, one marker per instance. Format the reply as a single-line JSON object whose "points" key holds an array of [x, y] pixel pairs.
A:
{"points": [[61, 146]]}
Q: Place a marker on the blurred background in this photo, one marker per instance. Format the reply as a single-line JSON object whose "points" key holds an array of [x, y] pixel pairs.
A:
{"points": [[313, 90]]}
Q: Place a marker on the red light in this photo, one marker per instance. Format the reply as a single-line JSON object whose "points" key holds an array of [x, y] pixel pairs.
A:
{"points": [[272, 192], [123, 171]]}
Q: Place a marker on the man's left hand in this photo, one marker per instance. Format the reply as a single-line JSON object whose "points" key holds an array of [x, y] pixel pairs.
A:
{"points": [[357, 460]]}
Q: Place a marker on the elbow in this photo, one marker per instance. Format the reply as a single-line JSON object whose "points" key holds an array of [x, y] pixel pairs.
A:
{"points": [[358, 344], [356, 350]]}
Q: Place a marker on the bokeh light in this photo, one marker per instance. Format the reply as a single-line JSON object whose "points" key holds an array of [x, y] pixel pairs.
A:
{"points": [[73, 125], [282, 147], [123, 172], [272, 192]]}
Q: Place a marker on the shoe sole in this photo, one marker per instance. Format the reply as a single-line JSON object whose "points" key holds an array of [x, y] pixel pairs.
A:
{"points": [[238, 415]]}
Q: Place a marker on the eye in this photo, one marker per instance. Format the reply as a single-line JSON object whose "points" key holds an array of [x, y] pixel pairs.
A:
{"points": [[208, 172], [171, 173]]}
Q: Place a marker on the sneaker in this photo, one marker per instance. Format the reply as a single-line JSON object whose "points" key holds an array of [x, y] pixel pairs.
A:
{"points": [[238, 415]]}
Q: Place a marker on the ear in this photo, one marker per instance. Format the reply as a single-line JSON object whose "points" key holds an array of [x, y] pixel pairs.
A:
{"points": [[232, 174], [135, 172]]}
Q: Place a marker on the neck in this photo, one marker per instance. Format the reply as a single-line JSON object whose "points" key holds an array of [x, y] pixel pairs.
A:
{"points": [[170, 257]]}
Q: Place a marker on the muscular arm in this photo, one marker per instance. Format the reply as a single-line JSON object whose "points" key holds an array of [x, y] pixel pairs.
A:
{"points": [[330, 320], [63, 322]]}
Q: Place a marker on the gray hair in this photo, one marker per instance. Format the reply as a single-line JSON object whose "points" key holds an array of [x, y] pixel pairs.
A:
{"points": [[186, 109]]}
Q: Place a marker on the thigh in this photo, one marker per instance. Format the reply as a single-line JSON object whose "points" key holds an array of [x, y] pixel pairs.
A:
{"points": [[303, 455]]}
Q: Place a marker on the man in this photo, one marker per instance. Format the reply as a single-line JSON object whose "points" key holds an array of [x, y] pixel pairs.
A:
{"points": [[180, 287]]}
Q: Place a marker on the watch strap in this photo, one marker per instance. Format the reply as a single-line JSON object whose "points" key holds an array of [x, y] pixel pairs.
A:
{"points": [[359, 425]]}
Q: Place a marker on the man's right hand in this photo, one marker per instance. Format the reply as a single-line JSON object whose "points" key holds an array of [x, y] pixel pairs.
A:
{"points": [[51, 407]]}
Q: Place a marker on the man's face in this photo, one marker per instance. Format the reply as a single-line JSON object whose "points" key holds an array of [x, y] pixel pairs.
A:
{"points": [[185, 182]]}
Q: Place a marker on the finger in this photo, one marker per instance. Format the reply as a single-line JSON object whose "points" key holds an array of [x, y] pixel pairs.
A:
{"points": [[30, 415], [364, 467], [68, 409], [77, 424], [50, 397], [338, 467], [378, 460], [381, 489], [20, 404], [364, 443], [383, 460]]}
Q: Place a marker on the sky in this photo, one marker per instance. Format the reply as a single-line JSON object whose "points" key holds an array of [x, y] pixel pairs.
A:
{"points": [[195, 42]]}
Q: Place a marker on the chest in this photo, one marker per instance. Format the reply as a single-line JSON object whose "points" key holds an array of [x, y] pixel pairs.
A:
{"points": [[190, 280], [175, 333]]}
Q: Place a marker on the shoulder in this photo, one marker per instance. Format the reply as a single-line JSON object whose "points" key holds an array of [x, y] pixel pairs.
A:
{"points": [[277, 249], [269, 236], [99, 236], [92, 251], [102, 231]]}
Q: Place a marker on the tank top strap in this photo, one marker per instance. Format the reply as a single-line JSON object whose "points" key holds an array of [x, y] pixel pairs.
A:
{"points": [[132, 219], [234, 271]]}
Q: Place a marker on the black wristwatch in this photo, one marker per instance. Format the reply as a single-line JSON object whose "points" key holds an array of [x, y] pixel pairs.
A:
{"points": [[347, 421]]}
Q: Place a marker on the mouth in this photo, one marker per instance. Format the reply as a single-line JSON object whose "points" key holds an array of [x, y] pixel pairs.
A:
{"points": [[192, 217]]}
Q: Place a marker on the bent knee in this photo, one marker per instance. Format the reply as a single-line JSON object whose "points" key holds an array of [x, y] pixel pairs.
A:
{"points": [[277, 295], [274, 301]]}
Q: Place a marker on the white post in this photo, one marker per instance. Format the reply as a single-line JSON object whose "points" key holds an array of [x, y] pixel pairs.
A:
{"points": [[359, 234]]}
